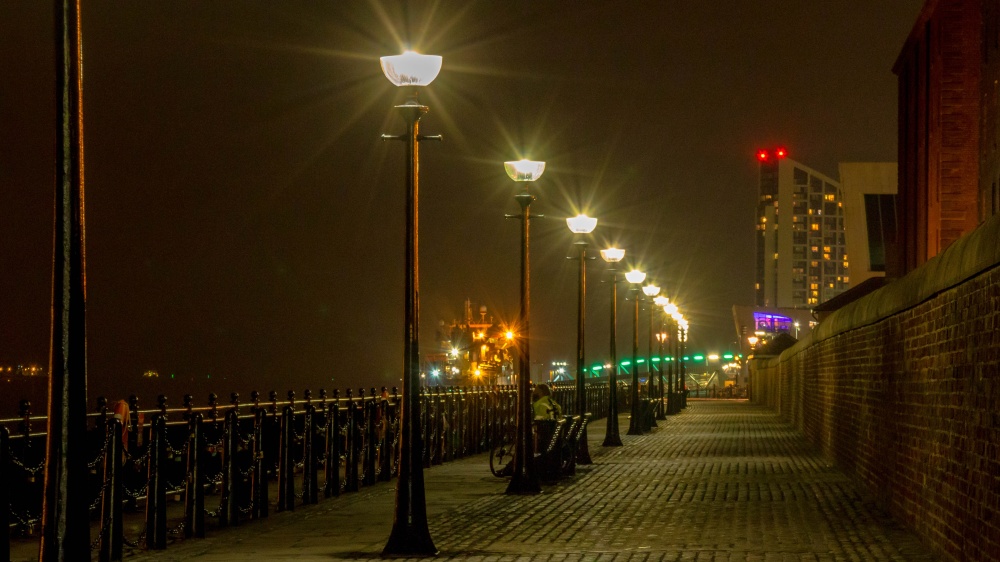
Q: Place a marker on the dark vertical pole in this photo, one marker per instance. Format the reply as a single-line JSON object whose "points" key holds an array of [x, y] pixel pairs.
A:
{"points": [[286, 462], [524, 479], [5, 495], [651, 383], [229, 510], [331, 486], [675, 367], [634, 422], [683, 370], [612, 438], [259, 483], [194, 501], [65, 519], [156, 488], [660, 414], [112, 538], [410, 534], [582, 451]]}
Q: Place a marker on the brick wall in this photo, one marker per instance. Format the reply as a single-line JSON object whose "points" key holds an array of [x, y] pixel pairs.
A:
{"points": [[902, 390]]}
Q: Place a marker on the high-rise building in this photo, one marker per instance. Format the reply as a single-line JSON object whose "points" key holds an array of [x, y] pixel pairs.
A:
{"points": [[818, 237], [802, 257]]}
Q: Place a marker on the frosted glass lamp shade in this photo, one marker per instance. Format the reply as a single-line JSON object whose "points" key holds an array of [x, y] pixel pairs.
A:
{"points": [[612, 255], [661, 301], [524, 170], [581, 224], [635, 276], [411, 69], [671, 309], [651, 290]]}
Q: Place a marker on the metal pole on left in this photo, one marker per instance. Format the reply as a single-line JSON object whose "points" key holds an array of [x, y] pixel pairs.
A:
{"points": [[525, 478], [410, 534], [583, 450], [65, 518]]}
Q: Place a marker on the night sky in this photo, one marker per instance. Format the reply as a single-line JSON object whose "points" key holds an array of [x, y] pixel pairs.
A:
{"points": [[245, 221]]}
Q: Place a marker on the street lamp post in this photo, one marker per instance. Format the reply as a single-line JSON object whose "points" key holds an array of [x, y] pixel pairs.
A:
{"points": [[410, 535], [611, 436], [635, 277], [651, 291], [672, 316], [661, 336], [65, 530], [683, 372], [525, 478], [582, 224]]}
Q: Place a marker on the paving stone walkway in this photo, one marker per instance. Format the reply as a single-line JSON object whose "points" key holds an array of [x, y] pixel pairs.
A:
{"points": [[722, 481]]}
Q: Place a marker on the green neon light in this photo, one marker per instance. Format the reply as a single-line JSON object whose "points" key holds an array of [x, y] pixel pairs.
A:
{"points": [[640, 360], [656, 360], [727, 356], [699, 357], [625, 363]]}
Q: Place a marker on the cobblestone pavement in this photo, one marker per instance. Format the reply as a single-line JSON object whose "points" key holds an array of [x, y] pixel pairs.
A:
{"points": [[722, 481]]}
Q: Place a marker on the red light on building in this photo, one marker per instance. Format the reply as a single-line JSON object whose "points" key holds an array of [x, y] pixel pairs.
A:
{"points": [[781, 152], [762, 155]]}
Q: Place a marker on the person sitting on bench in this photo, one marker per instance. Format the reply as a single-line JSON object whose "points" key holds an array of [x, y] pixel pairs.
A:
{"points": [[544, 406]]}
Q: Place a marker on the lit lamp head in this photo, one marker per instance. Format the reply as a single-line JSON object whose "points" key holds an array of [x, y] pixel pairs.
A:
{"points": [[613, 255], [651, 290], [524, 170], [581, 224], [635, 276], [411, 69], [671, 309], [661, 301]]}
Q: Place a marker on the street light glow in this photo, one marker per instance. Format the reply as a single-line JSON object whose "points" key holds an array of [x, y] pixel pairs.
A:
{"points": [[581, 224], [651, 290], [661, 301], [612, 255], [524, 170], [635, 276], [671, 309], [411, 68]]}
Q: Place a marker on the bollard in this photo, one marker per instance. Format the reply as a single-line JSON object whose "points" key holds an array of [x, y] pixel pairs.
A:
{"points": [[425, 404], [286, 463], [350, 451], [259, 483], [194, 497], [332, 485], [112, 538], [310, 487], [371, 441], [385, 459], [156, 488], [229, 510], [460, 431]]}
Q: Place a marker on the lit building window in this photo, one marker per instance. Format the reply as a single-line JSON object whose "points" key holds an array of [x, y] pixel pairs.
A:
{"points": [[814, 226]]}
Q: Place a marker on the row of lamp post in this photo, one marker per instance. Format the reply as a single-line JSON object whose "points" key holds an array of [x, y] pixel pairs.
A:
{"points": [[64, 532], [410, 535]]}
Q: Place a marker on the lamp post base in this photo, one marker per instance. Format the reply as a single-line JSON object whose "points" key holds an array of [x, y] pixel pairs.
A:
{"points": [[523, 485], [408, 541]]}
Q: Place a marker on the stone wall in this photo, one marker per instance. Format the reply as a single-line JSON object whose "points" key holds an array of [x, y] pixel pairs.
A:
{"points": [[902, 390]]}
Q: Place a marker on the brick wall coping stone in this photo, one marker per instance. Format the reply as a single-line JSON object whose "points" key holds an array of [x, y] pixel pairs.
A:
{"points": [[967, 257]]}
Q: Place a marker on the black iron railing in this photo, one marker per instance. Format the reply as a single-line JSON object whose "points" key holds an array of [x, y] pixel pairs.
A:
{"points": [[177, 469]]}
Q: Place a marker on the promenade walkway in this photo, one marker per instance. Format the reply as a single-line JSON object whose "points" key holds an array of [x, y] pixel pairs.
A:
{"points": [[722, 481]]}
